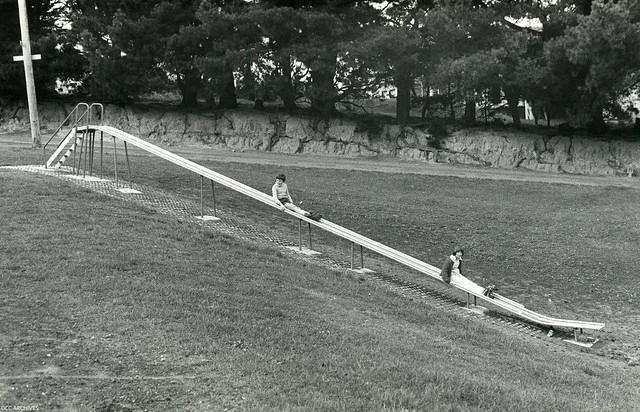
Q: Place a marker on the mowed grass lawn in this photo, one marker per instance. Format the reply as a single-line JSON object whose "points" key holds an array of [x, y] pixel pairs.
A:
{"points": [[109, 306]]}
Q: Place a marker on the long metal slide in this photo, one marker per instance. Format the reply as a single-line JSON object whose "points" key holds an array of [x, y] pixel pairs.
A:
{"points": [[393, 254]]}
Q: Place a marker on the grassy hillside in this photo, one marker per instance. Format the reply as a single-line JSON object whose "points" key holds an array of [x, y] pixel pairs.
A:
{"points": [[111, 306]]}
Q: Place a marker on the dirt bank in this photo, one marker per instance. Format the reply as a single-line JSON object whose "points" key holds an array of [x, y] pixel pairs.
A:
{"points": [[248, 130], [383, 164]]}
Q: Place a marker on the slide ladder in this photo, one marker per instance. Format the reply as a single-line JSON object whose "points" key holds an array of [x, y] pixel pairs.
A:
{"points": [[498, 300], [60, 160], [76, 135]]}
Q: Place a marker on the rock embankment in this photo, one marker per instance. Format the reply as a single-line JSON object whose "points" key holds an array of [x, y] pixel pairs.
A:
{"points": [[277, 132]]}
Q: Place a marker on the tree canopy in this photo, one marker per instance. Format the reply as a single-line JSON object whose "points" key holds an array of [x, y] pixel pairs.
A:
{"points": [[573, 57], [59, 60]]}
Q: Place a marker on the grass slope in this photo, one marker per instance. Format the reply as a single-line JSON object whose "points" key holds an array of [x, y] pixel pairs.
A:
{"points": [[113, 307], [555, 247]]}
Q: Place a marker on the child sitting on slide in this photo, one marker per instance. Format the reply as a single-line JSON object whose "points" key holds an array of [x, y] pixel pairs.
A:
{"points": [[281, 195], [452, 273]]}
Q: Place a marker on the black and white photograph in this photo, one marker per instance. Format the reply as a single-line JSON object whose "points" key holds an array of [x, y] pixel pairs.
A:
{"points": [[322, 205]]}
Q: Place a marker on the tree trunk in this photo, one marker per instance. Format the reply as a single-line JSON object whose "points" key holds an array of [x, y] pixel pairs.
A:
{"points": [[583, 6], [286, 90], [426, 101], [322, 91], [470, 111], [452, 111], [548, 117], [250, 87], [189, 84], [597, 124], [426, 104], [512, 101], [228, 92], [403, 102]]}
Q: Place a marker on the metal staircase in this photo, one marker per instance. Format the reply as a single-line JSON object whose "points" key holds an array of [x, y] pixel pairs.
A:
{"points": [[79, 137]]}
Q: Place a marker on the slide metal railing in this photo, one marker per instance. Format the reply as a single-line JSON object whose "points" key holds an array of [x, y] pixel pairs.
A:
{"points": [[82, 111]]}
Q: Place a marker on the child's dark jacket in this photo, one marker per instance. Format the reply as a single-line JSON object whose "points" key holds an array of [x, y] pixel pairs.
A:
{"points": [[445, 273]]}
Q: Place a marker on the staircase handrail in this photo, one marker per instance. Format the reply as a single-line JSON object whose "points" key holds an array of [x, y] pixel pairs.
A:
{"points": [[75, 123], [99, 105]]}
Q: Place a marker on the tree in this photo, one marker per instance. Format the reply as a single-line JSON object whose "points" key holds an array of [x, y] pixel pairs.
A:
{"points": [[117, 64], [226, 34], [47, 38], [417, 56], [167, 51], [462, 35], [597, 58], [127, 47], [306, 40], [394, 56], [519, 68], [273, 59], [319, 53]]}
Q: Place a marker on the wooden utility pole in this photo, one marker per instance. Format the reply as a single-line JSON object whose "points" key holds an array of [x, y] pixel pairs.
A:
{"points": [[28, 74]]}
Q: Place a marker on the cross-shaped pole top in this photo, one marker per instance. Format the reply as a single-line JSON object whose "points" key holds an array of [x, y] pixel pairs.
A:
{"points": [[28, 73]]}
